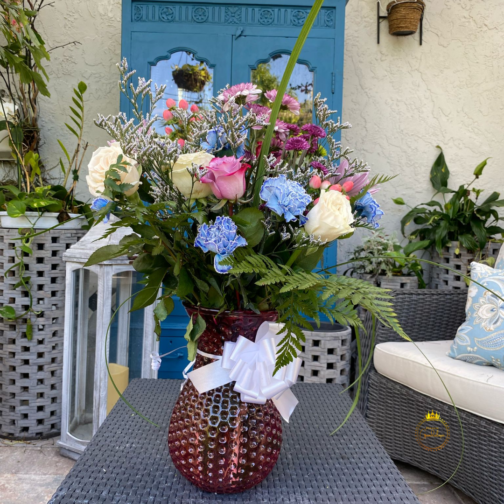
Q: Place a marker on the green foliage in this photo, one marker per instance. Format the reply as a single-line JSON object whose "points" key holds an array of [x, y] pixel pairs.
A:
{"points": [[301, 296], [461, 217], [381, 254]]}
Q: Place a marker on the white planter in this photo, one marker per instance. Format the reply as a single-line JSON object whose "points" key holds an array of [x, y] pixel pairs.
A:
{"points": [[44, 221]]}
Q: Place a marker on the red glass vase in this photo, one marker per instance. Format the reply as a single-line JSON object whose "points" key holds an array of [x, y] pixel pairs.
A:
{"points": [[216, 441]]}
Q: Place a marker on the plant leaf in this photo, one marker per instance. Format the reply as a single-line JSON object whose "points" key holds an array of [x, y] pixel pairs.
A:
{"points": [[439, 174]]}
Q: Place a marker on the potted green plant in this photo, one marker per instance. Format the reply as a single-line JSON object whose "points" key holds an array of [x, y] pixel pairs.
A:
{"points": [[457, 226], [382, 260], [192, 78], [40, 219]]}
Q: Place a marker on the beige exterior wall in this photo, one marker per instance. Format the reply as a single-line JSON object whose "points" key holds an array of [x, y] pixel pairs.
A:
{"points": [[403, 99]]}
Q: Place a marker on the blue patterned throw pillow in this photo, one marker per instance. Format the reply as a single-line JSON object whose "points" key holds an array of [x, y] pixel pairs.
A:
{"points": [[480, 339]]}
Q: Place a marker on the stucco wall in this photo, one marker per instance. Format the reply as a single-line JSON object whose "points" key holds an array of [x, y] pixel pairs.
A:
{"points": [[403, 99]]}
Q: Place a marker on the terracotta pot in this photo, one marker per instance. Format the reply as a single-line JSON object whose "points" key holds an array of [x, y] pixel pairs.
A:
{"points": [[216, 441]]}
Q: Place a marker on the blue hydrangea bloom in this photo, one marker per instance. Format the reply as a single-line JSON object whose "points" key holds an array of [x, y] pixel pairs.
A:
{"points": [[220, 238], [216, 140], [285, 197], [368, 209], [100, 203]]}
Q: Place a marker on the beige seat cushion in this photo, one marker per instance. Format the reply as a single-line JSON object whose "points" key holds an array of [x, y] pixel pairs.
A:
{"points": [[477, 389]]}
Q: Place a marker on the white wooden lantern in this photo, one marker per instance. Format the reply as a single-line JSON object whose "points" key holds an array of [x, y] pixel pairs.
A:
{"points": [[93, 294]]}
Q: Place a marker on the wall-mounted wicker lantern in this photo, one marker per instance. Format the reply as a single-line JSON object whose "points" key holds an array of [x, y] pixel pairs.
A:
{"points": [[404, 17]]}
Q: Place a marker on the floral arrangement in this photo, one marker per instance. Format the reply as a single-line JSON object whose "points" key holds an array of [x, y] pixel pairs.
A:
{"points": [[224, 219]]}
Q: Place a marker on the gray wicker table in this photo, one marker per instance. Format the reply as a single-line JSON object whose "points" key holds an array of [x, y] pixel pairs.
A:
{"points": [[128, 461]]}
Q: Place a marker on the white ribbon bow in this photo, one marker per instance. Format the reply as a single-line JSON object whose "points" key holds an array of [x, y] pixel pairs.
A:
{"points": [[251, 366]]}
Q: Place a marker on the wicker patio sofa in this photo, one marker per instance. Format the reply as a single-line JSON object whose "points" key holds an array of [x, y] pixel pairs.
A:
{"points": [[394, 410]]}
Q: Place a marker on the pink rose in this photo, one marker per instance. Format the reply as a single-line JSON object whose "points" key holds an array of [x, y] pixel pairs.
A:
{"points": [[194, 108], [170, 103], [167, 115], [226, 175], [183, 104]]}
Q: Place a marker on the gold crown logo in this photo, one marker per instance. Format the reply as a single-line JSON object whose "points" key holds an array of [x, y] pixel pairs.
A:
{"points": [[431, 416]]}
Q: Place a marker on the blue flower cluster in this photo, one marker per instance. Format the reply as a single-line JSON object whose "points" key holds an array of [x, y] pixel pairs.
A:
{"points": [[369, 209], [285, 197], [220, 238], [216, 140]]}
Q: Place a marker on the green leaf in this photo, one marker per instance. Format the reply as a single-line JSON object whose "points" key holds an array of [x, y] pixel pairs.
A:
{"points": [[478, 171], [145, 297], [72, 130], [398, 201], [480, 231], [164, 308], [106, 253], [63, 148], [16, 208], [185, 284], [7, 312], [282, 89], [468, 241], [439, 174], [29, 330], [82, 86], [250, 225], [12, 189], [414, 246], [26, 249], [193, 332]]}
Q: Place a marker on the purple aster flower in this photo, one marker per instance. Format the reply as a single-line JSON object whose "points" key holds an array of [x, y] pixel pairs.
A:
{"points": [[297, 144], [285, 197], [314, 130], [294, 129], [369, 209], [220, 238], [319, 166]]}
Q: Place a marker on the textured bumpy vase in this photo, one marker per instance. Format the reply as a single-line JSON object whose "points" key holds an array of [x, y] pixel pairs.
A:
{"points": [[216, 441]]}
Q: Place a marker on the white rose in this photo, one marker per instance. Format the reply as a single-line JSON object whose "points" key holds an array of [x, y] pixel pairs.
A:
{"points": [[331, 217], [183, 180], [101, 161]]}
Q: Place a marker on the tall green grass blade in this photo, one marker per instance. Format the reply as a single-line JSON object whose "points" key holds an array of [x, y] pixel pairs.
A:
{"points": [[312, 16]]}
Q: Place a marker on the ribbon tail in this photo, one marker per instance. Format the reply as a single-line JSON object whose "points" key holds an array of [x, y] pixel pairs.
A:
{"points": [[209, 377], [286, 404], [184, 373]]}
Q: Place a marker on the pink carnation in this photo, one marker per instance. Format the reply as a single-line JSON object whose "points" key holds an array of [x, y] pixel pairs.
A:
{"points": [[288, 102]]}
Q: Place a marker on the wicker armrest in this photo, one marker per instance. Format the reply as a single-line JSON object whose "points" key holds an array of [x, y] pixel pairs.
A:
{"points": [[425, 315]]}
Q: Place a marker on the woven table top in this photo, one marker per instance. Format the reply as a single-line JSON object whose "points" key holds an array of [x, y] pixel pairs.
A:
{"points": [[128, 460]]}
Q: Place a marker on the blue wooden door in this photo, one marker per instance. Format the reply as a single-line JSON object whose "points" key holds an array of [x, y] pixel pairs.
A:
{"points": [[231, 37]]}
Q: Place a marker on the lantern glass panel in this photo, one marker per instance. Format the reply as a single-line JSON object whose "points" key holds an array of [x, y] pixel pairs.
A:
{"points": [[83, 341], [127, 329]]}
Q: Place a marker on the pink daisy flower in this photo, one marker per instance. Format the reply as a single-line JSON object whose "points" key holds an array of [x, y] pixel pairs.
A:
{"points": [[297, 144], [241, 93], [288, 102]]}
